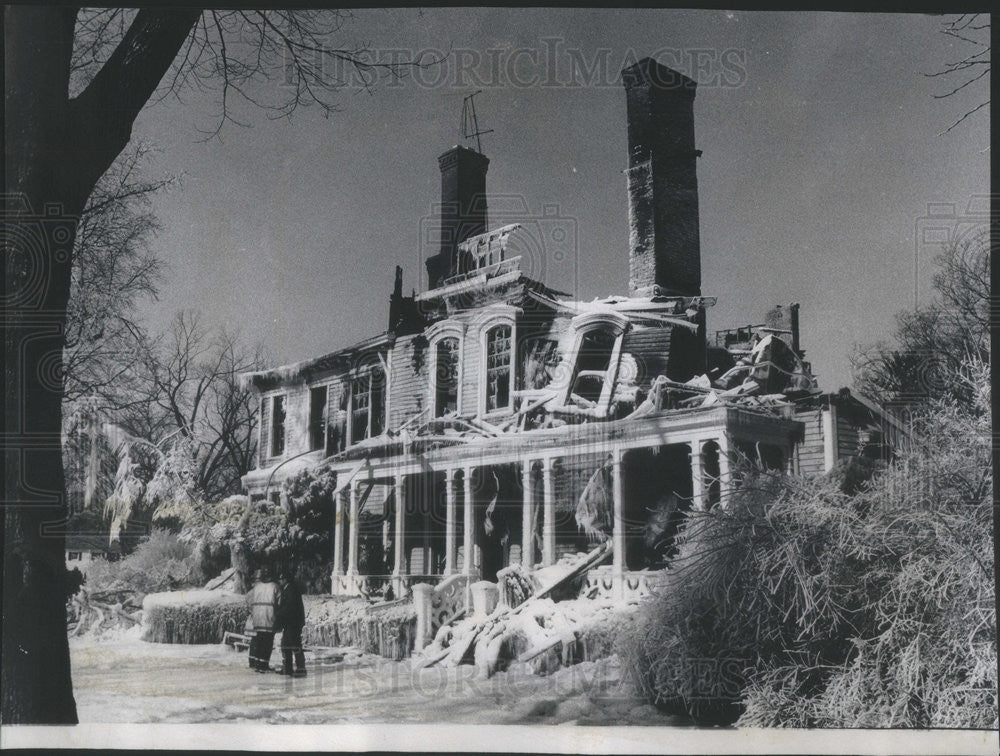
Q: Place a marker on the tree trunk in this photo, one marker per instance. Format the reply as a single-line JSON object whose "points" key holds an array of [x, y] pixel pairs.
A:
{"points": [[56, 150], [40, 229], [240, 561]]}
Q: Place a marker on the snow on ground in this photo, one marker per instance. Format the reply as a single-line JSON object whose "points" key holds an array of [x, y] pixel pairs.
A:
{"points": [[128, 681]]}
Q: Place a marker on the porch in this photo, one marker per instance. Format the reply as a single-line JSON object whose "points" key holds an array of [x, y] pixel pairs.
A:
{"points": [[452, 515]]}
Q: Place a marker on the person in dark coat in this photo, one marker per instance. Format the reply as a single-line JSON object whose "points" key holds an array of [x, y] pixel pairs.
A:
{"points": [[291, 619], [263, 614]]}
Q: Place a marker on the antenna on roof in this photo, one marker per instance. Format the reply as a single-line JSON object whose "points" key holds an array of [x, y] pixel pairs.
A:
{"points": [[470, 123]]}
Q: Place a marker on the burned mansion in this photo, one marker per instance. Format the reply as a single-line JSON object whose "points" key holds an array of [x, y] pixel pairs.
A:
{"points": [[498, 422]]}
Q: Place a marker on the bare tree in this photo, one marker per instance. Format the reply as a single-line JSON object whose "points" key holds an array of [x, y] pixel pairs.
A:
{"points": [[75, 81], [193, 380], [191, 407], [114, 269], [969, 71], [935, 343]]}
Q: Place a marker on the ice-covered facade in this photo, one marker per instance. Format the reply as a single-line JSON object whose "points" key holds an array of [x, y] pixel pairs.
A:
{"points": [[498, 422]]}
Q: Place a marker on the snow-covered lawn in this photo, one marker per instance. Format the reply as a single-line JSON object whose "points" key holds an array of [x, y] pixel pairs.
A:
{"points": [[126, 680]]}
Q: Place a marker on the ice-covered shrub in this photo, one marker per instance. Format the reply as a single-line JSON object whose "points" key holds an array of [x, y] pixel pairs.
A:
{"points": [[748, 583], [192, 616], [924, 557], [163, 562], [799, 605], [389, 631], [310, 520]]}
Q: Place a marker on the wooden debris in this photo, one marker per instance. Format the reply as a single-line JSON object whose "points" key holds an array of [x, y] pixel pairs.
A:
{"points": [[488, 628]]}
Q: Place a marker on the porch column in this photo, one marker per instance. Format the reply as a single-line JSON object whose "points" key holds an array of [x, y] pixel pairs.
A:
{"points": [[352, 546], [449, 522], [338, 535], [397, 566], [549, 515], [697, 478], [468, 535], [618, 533], [527, 515], [725, 475], [425, 539]]}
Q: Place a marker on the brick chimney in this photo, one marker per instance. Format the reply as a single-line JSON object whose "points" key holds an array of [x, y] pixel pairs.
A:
{"points": [[664, 245], [463, 209]]}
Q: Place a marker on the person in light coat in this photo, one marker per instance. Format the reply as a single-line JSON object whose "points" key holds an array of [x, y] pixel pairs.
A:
{"points": [[263, 599]]}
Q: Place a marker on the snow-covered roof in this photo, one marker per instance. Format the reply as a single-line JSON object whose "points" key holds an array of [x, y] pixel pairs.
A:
{"points": [[301, 369]]}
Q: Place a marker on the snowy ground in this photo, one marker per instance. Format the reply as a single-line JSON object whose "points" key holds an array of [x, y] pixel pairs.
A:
{"points": [[128, 681]]}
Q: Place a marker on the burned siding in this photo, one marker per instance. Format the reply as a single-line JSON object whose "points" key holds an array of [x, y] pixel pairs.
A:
{"points": [[809, 453], [650, 346], [848, 436], [410, 361]]}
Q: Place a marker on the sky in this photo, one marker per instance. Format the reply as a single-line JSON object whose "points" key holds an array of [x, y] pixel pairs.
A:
{"points": [[823, 166]]}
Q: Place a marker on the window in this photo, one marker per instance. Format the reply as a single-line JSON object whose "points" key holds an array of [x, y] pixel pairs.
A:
{"points": [[592, 363], [264, 442], [73, 555], [368, 404], [594, 357], [317, 418], [540, 358], [446, 377], [278, 426], [498, 368]]}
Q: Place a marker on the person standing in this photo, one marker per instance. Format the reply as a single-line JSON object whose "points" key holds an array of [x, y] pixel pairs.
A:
{"points": [[263, 613], [291, 619]]}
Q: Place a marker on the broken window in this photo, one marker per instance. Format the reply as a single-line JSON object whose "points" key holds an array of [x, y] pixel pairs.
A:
{"points": [[317, 418], [541, 358], [446, 377], [592, 363], [378, 401], [368, 404], [336, 421], [278, 426], [498, 366]]}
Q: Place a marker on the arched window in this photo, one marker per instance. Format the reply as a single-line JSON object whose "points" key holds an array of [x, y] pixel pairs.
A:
{"points": [[446, 376], [595, 356], [499, 367]]}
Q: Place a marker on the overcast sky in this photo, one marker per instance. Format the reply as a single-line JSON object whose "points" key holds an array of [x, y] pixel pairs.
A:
{"points": [[820, 144]]}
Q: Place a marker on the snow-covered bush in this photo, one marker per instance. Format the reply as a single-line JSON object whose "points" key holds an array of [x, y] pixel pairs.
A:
{"points": [[800, 605], [163, 562], [311, 512], [388, 631], [748, 582], [924, 559], [192, 616]]}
